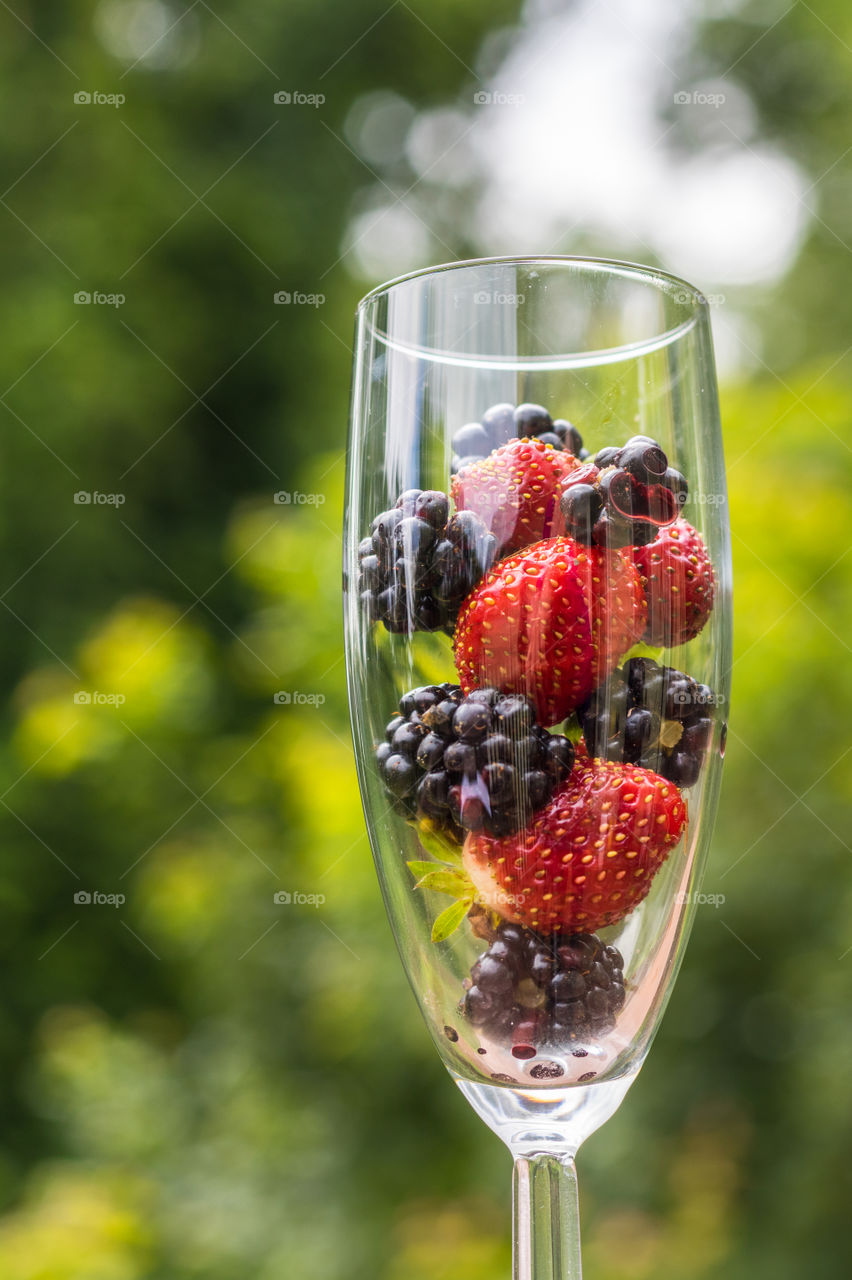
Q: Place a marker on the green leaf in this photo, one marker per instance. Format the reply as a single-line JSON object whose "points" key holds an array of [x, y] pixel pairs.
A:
{"points": [[455, 883], [441, 878], [419, 869], [572, 729], [642, 651], [439, 846], [449, 920]]}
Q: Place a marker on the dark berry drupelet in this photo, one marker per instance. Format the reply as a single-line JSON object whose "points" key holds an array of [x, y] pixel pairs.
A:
{"points": [[476, 763], [624, 497], [656, 717], [419, 562], [504, 422], [538, 991]]}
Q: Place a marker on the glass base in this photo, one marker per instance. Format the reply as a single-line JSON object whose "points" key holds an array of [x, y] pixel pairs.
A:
{"points": [[555, 1120], [544, 1129]]}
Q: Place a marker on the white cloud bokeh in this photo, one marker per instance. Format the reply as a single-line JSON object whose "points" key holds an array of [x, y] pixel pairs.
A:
{"points": [[590, 150], [583, 142]]}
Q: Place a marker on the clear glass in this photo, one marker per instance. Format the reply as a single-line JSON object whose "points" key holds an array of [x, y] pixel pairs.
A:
{"points": [[618, 351]]}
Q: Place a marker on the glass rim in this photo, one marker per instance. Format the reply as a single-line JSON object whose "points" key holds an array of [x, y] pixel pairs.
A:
{"points": [[664, 282]]}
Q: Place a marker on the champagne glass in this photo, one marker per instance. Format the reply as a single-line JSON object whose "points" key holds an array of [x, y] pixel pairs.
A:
{"points": [[537, 598]]}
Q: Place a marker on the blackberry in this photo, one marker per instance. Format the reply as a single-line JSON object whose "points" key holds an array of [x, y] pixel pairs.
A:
{"points": [[470, 763], [624, 497], [653, 716], [532, 420], [419, 562], [538, 991], [571, 438], [502, 423]]}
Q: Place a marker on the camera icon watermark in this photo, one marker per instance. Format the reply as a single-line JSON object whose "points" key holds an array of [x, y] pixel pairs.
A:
{"points": [[495, 98], [86, 698], [83, 298], [293, 498], [684, 98], [94, 98], [295, 98], [284, 898], [294, 698], [283, 298], [83, 898], [94, 498]]}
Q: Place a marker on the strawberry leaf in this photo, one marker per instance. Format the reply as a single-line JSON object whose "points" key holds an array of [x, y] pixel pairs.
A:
{"points": [[449, 920], [455, 883], [572, 729], [642, 651], [419, 869], [439, 846], [441, 879]]}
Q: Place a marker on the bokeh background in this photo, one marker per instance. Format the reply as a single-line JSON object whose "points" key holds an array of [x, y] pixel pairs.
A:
{"points": [[199, 1083]]}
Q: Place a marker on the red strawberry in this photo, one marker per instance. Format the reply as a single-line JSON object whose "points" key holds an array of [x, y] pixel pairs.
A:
{"points": [[586, 859], [515, 491], [679, 583], [550, 621]]}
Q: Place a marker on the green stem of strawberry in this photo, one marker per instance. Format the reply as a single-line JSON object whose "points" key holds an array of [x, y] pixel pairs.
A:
{"points": [[546, 1232]]}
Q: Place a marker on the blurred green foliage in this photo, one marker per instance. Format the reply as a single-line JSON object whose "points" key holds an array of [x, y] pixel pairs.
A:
{"points": [[202, 1083]]}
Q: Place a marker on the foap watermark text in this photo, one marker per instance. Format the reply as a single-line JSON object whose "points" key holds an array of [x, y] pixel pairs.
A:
{"points": [[686, 98], [296, 98], [92, 698], [683, 296], [496, 98], [87, 898], [287, 298], [493, 297], [94, 98], [295, 698], [87, 298], [94, 498], [293, 498]]}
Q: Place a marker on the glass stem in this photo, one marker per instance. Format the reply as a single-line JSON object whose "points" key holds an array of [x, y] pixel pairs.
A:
{"points": [[546, 1226]]}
